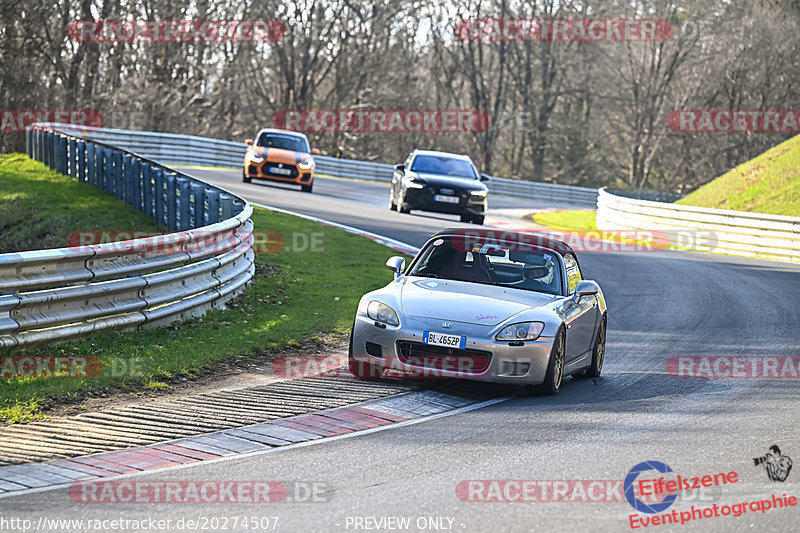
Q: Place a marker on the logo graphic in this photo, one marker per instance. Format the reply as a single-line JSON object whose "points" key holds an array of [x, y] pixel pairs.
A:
{"points": [[636, 503], [447, 324], [777, 465]]}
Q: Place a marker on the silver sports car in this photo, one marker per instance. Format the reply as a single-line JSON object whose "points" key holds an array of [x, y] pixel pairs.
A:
{"points": [[504, 307]]}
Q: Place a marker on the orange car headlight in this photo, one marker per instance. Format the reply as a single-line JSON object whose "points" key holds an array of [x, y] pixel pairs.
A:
{"points": [[306, 163], [254, 157]]}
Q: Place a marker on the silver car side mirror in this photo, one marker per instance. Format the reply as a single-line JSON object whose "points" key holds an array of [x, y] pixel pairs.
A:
{"points": [[396, 264], [586, 288]]}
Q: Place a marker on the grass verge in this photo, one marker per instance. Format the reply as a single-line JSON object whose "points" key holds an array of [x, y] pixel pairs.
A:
{"points": [[567, 219], [309, 288], [769, 183], [39, 208]]}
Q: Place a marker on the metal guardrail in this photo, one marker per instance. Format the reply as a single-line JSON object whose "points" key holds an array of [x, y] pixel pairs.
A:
{"points": [[205, 260], [703, 229], [177, 149]]}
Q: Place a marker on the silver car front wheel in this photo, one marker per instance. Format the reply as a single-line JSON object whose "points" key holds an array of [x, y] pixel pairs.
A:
{"points": [[555, 368]]}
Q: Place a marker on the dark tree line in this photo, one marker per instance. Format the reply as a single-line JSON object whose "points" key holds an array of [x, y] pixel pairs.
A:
{"points": [[586, 113]]}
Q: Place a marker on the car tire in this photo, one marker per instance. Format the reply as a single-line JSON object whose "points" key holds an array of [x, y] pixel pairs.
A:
{"points": [[307, 188], [392, 205], [359, 369], [478, 220], [245, 177], [465, 218], [555, 367], [598, 352]]}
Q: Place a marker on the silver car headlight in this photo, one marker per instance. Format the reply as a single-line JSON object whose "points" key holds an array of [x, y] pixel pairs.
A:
{"points": [[382, 313], [523, 331], [306, 163]]}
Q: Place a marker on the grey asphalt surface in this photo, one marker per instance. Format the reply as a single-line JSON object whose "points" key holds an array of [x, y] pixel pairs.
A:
{"points": [[661, 305]]}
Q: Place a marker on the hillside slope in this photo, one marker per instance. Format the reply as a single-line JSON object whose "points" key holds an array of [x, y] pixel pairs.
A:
{"points": [[769, 183]]}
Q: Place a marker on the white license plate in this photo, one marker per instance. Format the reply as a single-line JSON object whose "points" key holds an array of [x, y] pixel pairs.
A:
{"points": [[284, 171], [443, 339], [446, 199]]}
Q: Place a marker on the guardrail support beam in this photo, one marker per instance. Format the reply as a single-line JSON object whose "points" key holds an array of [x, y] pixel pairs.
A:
{"points": [[184, 204], [147, 189], [158, 196], [136, 185], [199, 199], [172, 202], [81, 153], [212, 197], [119, 182]]}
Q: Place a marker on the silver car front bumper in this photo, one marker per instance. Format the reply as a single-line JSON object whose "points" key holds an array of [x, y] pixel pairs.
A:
{"points": [[400, 350]]}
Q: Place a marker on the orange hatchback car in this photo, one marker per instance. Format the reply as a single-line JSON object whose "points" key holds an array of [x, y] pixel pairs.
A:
{"points": [[280, 155]]}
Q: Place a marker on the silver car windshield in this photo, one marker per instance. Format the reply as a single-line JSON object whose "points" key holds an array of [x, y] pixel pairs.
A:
{"points": [[515, 266]]}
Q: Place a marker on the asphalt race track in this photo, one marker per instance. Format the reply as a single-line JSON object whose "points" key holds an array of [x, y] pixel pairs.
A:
{"points": [[661, 305]]}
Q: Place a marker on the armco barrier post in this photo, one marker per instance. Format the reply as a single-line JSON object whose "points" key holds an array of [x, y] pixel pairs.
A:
{"points": [[227, 206], [81, 153], [127, 173], [73, 168], [172, 202], [212, 196], [40, 145], [57, 153], [119, 182], [158, 196], [108, 155], [198, 196], [51, 150], [99, 182], [185, 204], [90, 175], [54, 150], [61, 155], [238, 207], [137, 184], [45, 151], [37, 140], [29, 142], [147, 189], [99, 168]]}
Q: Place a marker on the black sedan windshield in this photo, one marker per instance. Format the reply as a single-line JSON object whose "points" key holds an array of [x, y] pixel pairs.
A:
{"points": [[515, 266], [448, 166], [285, 142]]}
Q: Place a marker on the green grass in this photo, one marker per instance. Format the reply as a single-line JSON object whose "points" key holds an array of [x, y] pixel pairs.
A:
{"points": [[573, 220], [296, 295], [40, 208], [769, 183]]}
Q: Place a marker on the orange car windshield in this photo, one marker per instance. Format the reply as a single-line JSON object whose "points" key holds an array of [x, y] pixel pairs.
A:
{"points": [[284, 142]]}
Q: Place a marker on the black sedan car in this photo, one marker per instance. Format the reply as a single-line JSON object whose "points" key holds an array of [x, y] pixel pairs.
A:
{"points": [[439, 182]]}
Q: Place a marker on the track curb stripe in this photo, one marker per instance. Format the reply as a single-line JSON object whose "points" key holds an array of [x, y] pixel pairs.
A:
{"points": [[321, 426]]}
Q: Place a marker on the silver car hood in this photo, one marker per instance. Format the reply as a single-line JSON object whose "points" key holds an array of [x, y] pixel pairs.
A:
{"points": [[461, 301]]}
